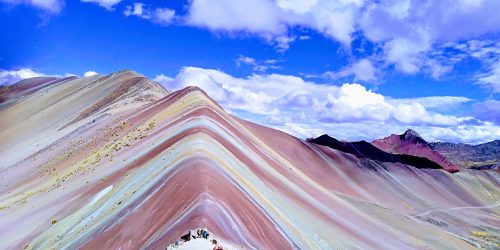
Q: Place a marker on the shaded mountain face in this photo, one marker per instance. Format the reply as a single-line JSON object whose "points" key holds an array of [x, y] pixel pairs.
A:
{"points": [[411, 143], [481, 156], [363, 149], [118, 162]]}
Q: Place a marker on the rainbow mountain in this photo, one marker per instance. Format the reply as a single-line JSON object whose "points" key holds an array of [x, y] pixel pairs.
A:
{"points": [[119, 162]]}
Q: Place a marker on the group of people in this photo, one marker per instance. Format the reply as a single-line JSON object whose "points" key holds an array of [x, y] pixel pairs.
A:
{"points": [[202, 233]]}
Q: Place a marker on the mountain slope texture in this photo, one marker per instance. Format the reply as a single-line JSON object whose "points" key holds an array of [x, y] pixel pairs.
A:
{"points": [[482, 156], [118, 162]]}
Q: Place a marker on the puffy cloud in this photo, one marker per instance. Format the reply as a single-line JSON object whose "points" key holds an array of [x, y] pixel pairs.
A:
{"points": [[162, 16], [405, 34], [164, 80], [8, 77], [406, 54], [407, 31], [297, 6], [255, 94], [363, 70], [335, 19], [462, 133], [354, 102], [90, 73], [256, 16], [366, 131], [107, 4], [136, 10], [305, 108], [415, 113], [298, 101], [50, 6]]}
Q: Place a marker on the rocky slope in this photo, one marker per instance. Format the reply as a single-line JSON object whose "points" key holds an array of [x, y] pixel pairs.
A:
{"points": [[118, 162], [481, 156], [411, 143]]}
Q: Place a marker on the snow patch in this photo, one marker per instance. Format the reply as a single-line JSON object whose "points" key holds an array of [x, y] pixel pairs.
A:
{"points": [[101, 194]]}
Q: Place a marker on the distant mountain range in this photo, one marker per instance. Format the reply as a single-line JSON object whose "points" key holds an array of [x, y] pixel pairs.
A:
{"points": [[363, 149], [411, 149], [481, 156], [411, 143]]}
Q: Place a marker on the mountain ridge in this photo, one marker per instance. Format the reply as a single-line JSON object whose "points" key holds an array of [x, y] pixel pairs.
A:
{"points": [[140, 172], [363, 149], [480, 156], [411, 143]]}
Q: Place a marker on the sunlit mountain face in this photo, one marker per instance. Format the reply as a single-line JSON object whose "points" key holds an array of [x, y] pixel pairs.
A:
{"points": [[118, 161], [263, 124]]}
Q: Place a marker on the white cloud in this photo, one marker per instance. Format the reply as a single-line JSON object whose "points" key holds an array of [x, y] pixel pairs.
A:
{"points": [[437, 70], [440, 103], [89, 73], [492, 78], [362, 70], [50, 6], [136, 10], [257, 66], [163, 79], [354, 102], [282, 43], [404, 33], [8, 77], [297, 6], [406, 54], [245, 60], [295, 100], [335, 19], [407, 31], [487, 111], [305, 108], [366, 131], [107, 4], [415, 113], [162, 16], [257, 16]]}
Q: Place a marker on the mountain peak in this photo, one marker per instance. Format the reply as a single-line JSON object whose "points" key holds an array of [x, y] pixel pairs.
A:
{"points": [[127, 71], [411, 143], [412, 135]]}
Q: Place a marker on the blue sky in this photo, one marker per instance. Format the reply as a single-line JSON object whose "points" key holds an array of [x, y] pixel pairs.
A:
{"points": [[355, 69]]}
